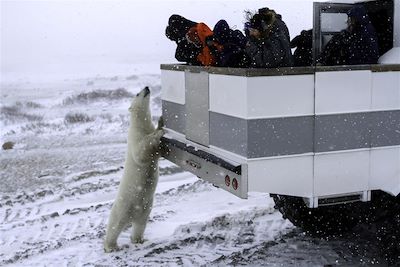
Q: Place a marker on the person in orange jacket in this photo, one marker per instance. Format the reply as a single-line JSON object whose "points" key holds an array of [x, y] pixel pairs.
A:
{"points": [[202, 36]]}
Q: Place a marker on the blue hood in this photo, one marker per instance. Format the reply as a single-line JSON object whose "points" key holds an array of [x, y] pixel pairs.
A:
{"points": [[359, 13]]}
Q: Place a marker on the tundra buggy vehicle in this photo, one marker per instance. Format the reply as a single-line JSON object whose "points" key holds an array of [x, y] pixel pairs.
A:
{"points": [[324, 141]]}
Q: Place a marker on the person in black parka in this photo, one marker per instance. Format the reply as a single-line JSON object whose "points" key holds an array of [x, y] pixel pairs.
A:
{"points": [[268, 45], [280, 24], [357, 45], [176, 31], [336, 50], [303, 56], [363, 41], [233, 44]]}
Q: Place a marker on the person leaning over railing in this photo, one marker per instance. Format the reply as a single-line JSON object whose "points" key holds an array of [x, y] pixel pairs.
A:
{"points": [[303, 55], [268, 44], [176, 31], [198, 45]]}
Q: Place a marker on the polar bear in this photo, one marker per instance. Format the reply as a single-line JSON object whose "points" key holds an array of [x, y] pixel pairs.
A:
{"points": [[136, 190]]}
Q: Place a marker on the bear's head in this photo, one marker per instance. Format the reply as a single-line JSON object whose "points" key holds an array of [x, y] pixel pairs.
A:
{"points": [[140, 107]]}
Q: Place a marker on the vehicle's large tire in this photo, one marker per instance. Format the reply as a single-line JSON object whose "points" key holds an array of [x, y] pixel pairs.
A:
{"points": [[384, 214], [381, 216], [389, 239], [322, 221]]}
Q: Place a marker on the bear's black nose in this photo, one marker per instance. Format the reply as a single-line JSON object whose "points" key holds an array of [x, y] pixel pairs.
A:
{"points": [[146, 91]]}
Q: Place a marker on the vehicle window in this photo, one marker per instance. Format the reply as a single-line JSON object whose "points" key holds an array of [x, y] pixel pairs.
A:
{"points": [[333, 22]]}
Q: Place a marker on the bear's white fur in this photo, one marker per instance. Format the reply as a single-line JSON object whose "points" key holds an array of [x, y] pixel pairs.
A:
{"points": [[136, 190]]}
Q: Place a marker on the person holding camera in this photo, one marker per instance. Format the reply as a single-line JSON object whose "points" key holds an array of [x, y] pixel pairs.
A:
{"points": [[268, 44]]}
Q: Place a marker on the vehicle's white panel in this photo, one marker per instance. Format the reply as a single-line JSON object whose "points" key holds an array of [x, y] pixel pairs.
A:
{"points": [[338, 92], [280, 96], [173, 86], [287, 175], [385, 90], [342, 92], [385, 169], [228, 95], [341, 172]]}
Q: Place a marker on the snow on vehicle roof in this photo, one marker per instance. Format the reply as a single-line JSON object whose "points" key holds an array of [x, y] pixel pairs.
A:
{"points": [[391, 57]]}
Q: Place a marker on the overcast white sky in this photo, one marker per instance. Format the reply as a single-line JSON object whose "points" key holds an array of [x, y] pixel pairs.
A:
{"points": [[48, 37]]}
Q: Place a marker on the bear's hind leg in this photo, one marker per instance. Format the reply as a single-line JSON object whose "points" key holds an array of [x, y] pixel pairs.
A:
{"points": [[138, 232], [114, 228]]}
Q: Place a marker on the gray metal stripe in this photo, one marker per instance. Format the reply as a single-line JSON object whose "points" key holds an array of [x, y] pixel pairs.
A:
{"points": [[357, 130], [262, 137], [280, 136], [252, 72], [385, 128], [174, 116], [297, 135], [342, 132], [294, 135], [229, 133]]}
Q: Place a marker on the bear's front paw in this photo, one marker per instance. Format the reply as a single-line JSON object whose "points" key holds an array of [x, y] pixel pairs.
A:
{"points": [[160, 123], [159, 134]]}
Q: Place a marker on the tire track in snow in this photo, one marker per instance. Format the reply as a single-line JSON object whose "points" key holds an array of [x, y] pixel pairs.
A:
{"points": [[28, 206], [191, 243], [15, 208], [55, 233], [63, 226]]}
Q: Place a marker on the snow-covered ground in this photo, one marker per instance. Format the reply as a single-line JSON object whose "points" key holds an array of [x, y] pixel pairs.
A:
{"points": [[59, 181]]}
